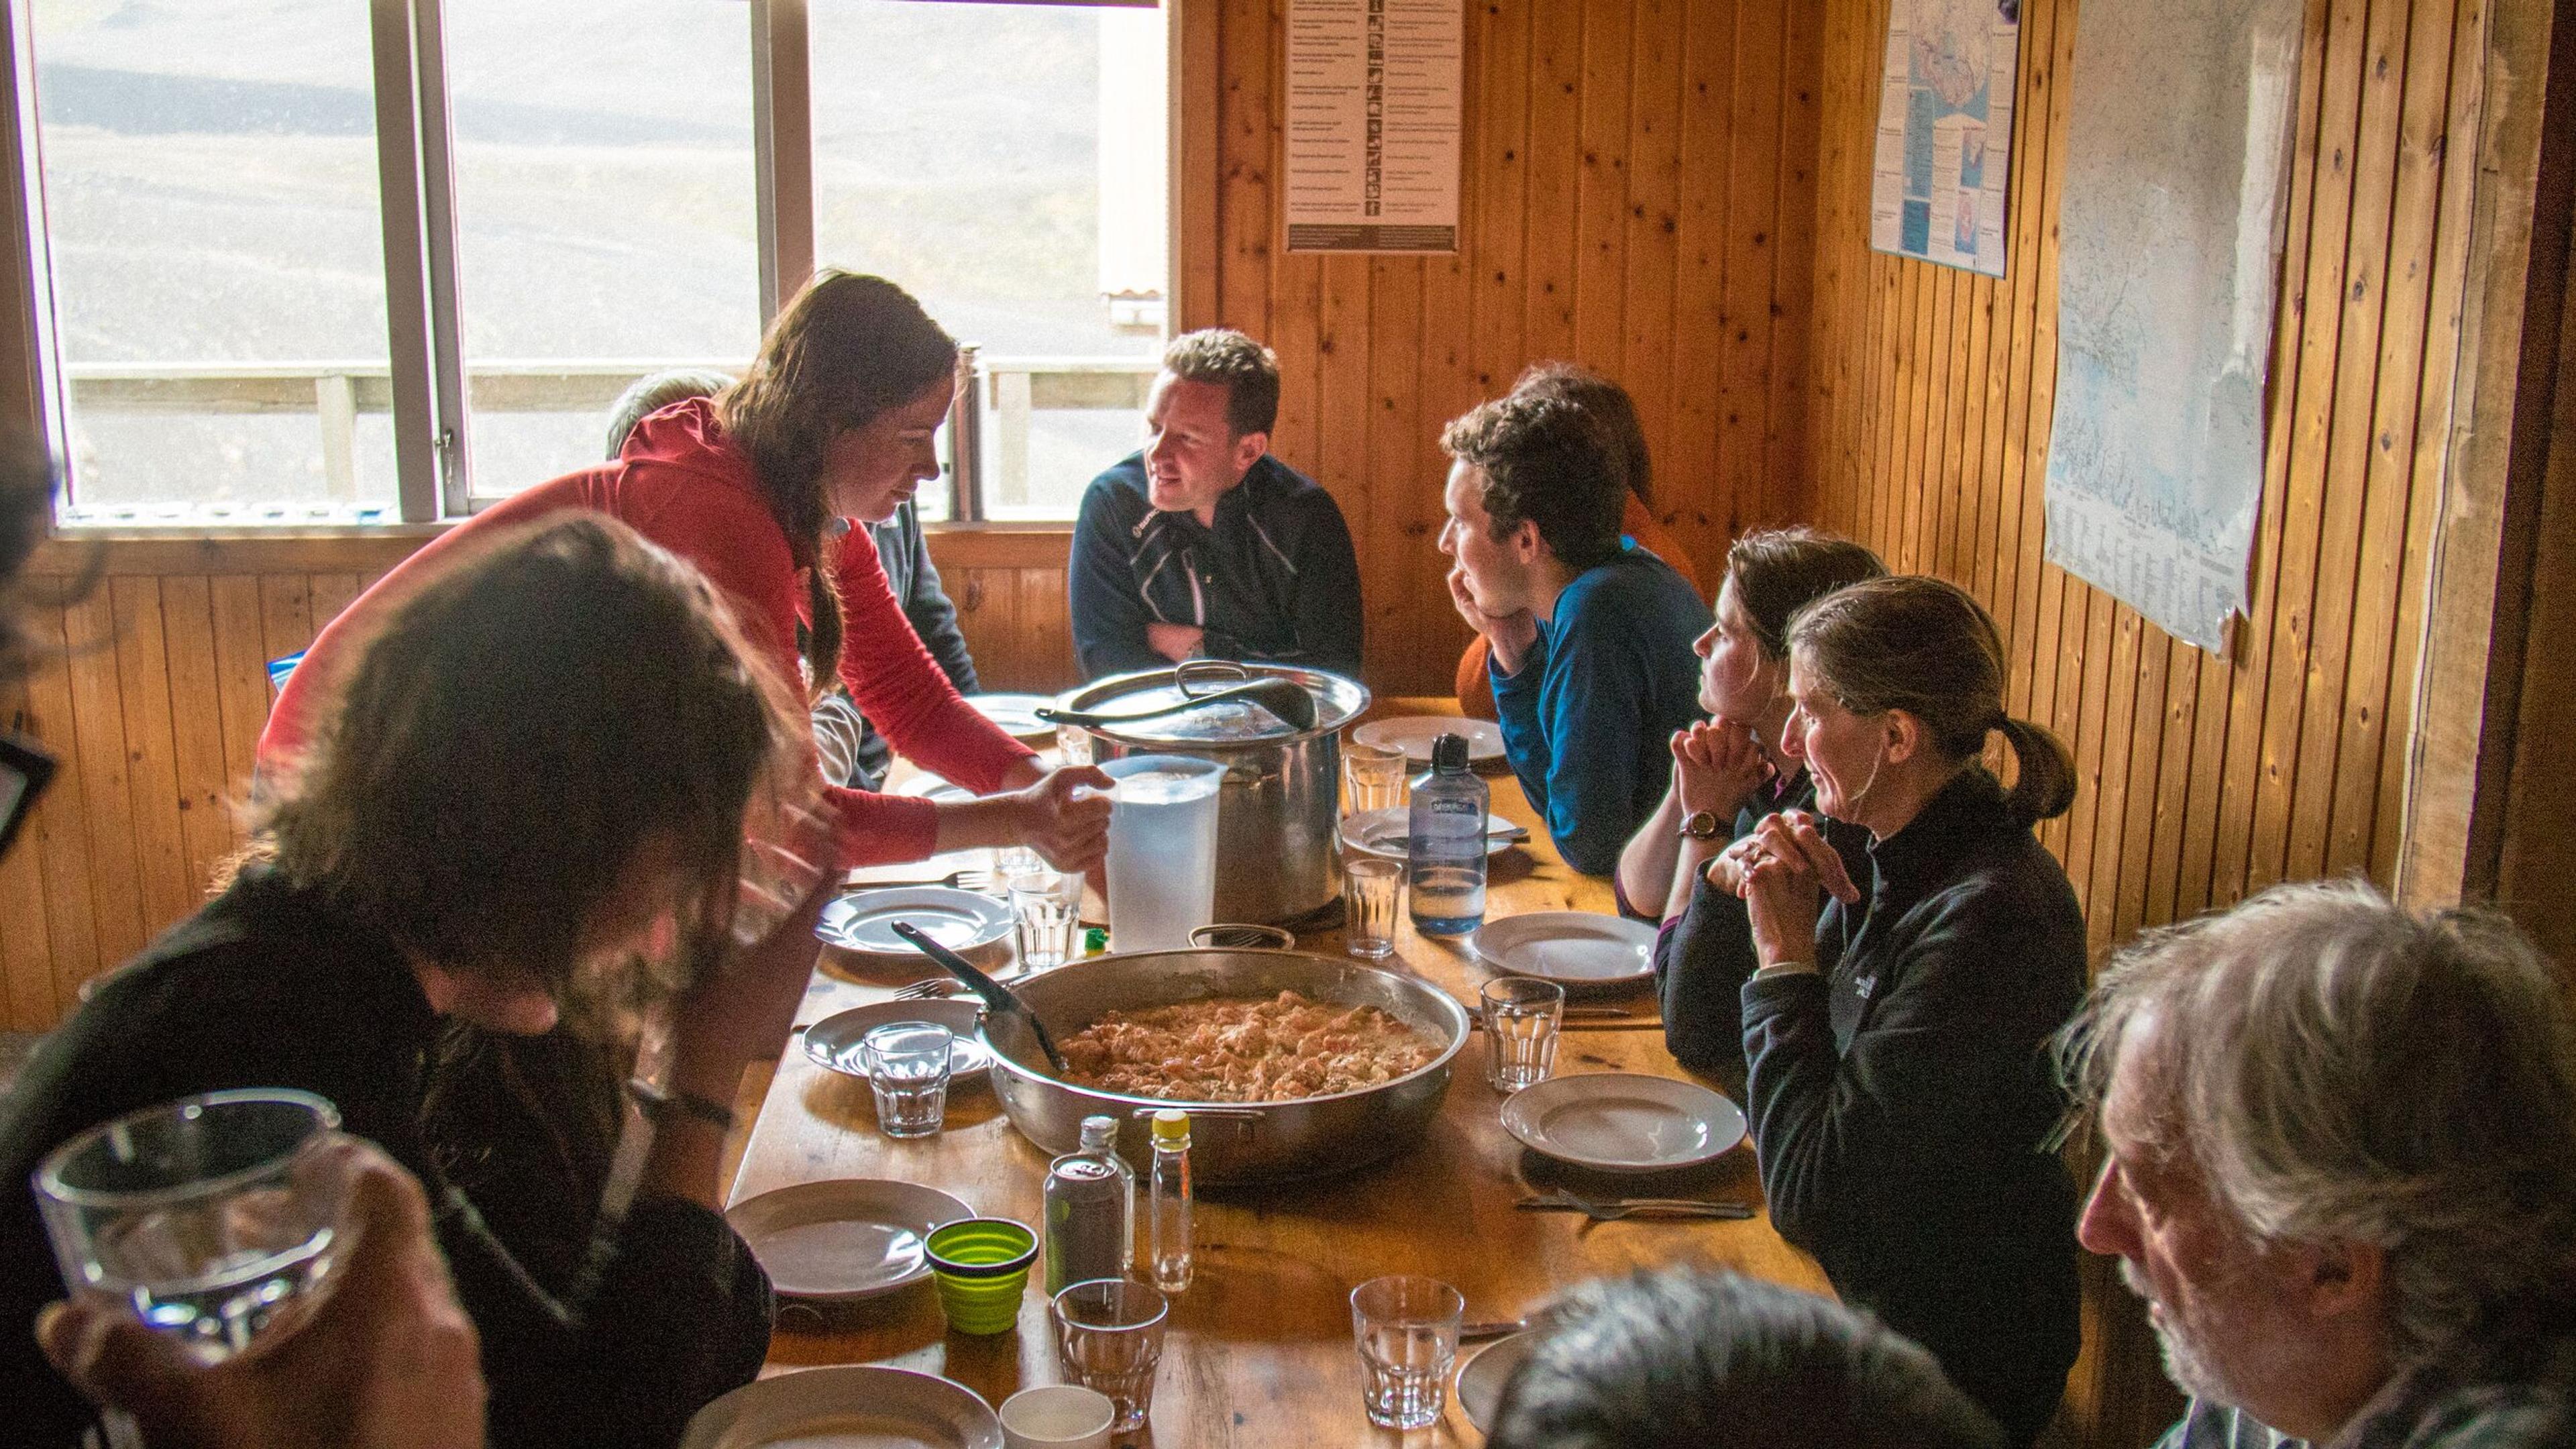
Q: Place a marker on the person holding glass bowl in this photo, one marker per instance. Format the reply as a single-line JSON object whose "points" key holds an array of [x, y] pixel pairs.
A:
{"points": [[1898, 1087], [481, 896]]}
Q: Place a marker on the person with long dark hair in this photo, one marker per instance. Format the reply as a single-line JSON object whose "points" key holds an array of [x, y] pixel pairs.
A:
{"points": [[482, 902], [767, 489], [1895, 1036]]}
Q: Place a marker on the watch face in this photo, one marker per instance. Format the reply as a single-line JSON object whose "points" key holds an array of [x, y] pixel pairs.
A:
{"points": [[1700, 825]]}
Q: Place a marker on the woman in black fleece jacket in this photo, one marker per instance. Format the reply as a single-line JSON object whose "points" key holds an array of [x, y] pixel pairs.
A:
{"points": [[533, 800], [1897, 1083]]}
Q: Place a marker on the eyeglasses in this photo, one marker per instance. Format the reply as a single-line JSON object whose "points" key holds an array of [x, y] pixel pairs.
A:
{"points": [[25, 770]]}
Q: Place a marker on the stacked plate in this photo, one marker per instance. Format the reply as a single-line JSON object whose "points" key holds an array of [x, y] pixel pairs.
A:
{"points": [[850, 1404], [1582, 951], [844, 1239], [1414, 734], [833, 1042]]}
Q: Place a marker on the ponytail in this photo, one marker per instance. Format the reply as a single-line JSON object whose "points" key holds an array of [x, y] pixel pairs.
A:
{"points": [[2044, 772]]}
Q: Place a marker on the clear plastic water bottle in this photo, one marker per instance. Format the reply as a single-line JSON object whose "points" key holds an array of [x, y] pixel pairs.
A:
{"points": [[1170, 1229], [1445, 844]]}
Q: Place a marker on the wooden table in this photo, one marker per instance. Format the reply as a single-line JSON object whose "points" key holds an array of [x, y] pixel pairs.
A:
{"points": [[1259, 1351]]}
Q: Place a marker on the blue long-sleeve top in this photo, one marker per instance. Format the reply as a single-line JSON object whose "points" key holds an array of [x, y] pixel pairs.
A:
{"points": [[1274, 580], [1587, 715]]}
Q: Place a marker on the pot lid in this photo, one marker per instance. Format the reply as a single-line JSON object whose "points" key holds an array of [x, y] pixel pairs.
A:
{"points": [[1337, 701]]}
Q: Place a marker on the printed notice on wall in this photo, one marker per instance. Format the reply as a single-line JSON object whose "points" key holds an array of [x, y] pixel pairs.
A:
{"points": [[2169, 237], [1945, 103], [1374, 93]]}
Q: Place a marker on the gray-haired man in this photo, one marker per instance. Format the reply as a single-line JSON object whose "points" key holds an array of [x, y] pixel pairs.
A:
{"points": [[2342, 1172]]}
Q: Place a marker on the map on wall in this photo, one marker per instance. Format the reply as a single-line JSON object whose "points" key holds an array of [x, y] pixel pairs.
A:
{"points": [[2177, 171], [1945, 106]]}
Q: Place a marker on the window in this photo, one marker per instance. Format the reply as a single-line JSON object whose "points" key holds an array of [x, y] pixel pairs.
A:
{"points": [[283, 290]]}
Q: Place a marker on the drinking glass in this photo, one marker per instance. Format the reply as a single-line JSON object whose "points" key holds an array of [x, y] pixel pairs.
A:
{"points": [[1522, 1015], [1372, 888], [1109, 1332], [1374, 775], [1072, 745], [212, 1218], [1045, 916], [1407, 1328], [907, 1064]]}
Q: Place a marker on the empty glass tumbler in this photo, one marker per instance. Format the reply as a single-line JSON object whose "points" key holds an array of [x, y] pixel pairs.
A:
{"points": [[1407, 1331], [1522, 1015], [1109, 1332], [1374, 777], [907, 1063], [1371, 889], [1045, 916]]}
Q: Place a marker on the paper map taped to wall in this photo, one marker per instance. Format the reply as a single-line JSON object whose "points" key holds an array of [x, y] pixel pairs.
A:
{"points": [[2177, 176], [1944, 155]]}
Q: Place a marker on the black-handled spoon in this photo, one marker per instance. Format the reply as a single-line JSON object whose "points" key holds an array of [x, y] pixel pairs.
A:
{"points": [[1001, 998]]}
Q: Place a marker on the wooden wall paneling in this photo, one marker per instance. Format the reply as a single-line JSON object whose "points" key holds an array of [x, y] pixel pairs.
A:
{"points": [[1198, 154], [1793, 254], [1250, 132], [1497, 195], [1601, 186], [1555, 178], [2538, 853], [1836, 270], [1692, 495], [242, 691], [59, 832], [988, 607], [2447, 294], [98, 745], [1391, 428], [1651, 223], [26, 948], [1753, 202], [205, 788], [2386, 484], [2144, 812], [1341, 449], [2015, 602], [152, 776], [329, 594], [2311, 420], [2358, 374], [286, 613]]}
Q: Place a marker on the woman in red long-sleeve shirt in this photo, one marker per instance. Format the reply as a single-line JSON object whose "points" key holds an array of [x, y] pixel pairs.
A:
{"points": [[830, 428]]}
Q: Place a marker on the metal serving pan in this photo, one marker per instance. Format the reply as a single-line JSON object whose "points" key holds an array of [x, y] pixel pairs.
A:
{"points": [[1230, 1143]]}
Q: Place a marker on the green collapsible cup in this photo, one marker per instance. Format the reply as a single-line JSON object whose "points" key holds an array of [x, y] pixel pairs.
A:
{"points": [[982, 1267]]}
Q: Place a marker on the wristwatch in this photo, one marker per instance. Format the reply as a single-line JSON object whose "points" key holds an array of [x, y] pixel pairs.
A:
{"points": [[1701, 825]]}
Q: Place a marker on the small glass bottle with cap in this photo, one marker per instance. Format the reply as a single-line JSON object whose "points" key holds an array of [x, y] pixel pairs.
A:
{"points": [[1170, 1227]]}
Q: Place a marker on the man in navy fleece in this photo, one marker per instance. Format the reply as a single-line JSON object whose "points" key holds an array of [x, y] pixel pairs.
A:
{"points": [[1591, 637]]}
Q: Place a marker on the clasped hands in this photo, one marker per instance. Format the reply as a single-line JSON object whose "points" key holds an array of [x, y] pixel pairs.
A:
{"points": [[1781, 872]]}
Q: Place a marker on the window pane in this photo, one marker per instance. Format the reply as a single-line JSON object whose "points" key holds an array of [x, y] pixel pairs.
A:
{"points": [[605, 213], [1006, 164], [209, 175]]}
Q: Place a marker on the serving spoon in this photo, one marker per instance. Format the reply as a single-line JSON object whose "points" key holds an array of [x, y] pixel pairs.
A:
{"points": [[1001, 998]]}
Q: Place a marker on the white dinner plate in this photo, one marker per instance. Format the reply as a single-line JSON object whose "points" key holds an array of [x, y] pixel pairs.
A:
{"points": [[849, 1406], [1578, 950], [1480, 1383], [1414, 733], [1016, 715], [846, 1238], [864, 920], [1624, 1121], [833, 1042], [1383, 832]]}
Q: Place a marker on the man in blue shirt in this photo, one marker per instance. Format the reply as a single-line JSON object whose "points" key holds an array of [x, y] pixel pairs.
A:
{"points": [[1202, 545], [1591, 636]]}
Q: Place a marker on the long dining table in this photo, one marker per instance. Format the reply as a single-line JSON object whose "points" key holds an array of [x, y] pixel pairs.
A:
{"points": [[1259, 1348]]}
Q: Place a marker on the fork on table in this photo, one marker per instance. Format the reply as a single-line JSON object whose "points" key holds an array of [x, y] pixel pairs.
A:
{"points": [[981, 882], [1611, 1210]]}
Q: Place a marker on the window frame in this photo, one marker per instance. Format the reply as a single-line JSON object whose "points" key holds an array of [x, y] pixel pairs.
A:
{"points": [[434, 482]]}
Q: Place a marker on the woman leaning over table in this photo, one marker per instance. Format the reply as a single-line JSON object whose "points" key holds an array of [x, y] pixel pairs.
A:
{"points": [[473, 853], [1900, 1097], [1728, 773], [768, 488]]}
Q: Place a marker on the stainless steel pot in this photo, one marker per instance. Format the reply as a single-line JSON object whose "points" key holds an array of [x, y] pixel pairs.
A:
{"points": [[1230, 1143], [1276, 857]]}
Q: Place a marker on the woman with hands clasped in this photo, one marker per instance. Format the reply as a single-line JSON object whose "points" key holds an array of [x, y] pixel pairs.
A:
{"points": [[1900, 1098], [1728, 772]]}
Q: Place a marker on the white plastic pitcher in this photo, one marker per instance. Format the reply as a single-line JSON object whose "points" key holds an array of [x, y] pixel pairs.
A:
{"points": [[1162, 850]]}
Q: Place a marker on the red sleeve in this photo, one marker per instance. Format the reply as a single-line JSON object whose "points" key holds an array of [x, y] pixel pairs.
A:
{"points": [[901, 689], [873, 829]]}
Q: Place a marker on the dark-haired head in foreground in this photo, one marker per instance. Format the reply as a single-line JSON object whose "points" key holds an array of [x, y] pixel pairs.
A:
{"points": [[1688, 1357]]}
